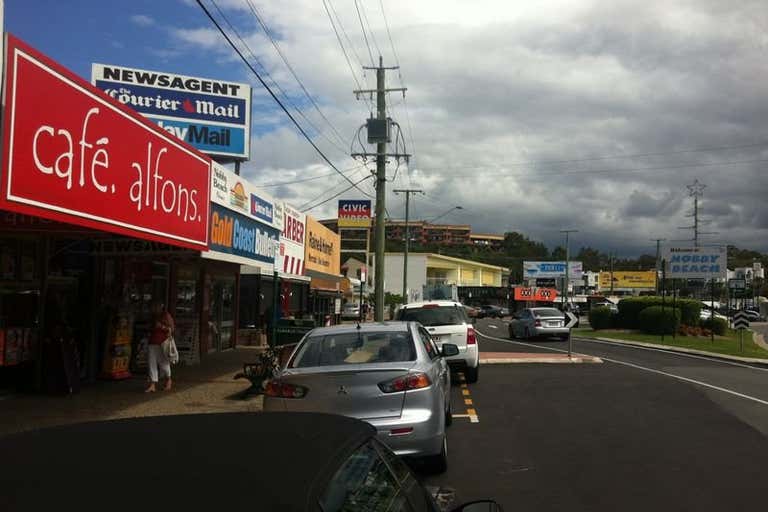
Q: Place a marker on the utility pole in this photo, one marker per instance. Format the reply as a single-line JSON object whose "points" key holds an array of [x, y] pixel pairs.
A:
{"points": [[567, 261], [696, 191], [407, 192], [379, 132], [658, 259], [610, 257]]}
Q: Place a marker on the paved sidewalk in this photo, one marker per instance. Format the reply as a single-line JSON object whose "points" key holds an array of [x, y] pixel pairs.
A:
{"points": [[205, 388]]}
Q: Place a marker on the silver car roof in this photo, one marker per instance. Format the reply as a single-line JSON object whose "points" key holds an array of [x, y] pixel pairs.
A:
{"points": [[364, 327]]}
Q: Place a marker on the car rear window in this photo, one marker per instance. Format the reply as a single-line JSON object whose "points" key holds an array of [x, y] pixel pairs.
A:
{"points": [[432, 316], [548, 312], [355, 348]]}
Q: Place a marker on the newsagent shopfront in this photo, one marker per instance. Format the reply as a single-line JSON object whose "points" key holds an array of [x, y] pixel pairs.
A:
{"points": [[102, 214]]}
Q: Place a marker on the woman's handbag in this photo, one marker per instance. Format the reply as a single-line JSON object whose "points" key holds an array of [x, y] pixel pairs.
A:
{"points": [[170, 350]]}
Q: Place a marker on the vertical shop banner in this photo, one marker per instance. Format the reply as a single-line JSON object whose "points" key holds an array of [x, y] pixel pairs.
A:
{"points": [[213, 116], [322, 248], [238, 194], [290, 259], [233, 234], [696, 262], [73, 155], [354, 213]]}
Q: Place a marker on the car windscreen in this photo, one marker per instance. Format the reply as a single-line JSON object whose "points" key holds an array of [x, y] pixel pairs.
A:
{"points": [[547, 312], [432, 316], [355, 348]]}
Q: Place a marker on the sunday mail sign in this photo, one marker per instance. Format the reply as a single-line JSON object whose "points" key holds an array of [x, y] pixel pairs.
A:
{"points": [[238, 194], [696, 262], [213, 116], [73, 155]]}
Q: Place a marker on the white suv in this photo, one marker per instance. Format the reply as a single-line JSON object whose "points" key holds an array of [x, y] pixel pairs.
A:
{"points": [[447, 322]]}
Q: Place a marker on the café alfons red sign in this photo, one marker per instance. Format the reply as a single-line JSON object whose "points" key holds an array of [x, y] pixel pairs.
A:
{"points": [[74, 155]]}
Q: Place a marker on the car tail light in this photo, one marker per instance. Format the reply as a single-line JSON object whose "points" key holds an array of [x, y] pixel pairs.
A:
{"points": [[284, 390], [471, 336], [400, 431], [410, 381], [537, 323]]}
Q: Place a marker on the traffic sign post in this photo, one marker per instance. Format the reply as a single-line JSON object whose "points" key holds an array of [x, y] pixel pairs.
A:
{"points": [[741, 322], [571, 321]]}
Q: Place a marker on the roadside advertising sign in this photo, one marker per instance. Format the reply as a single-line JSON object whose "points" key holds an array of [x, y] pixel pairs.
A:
{"points": [[73, 155], [696, 262], [238, 194], [737, 284], [213, 116], [240, 239], [628, 279], [548, 269], [535, 294], [322, 248], [291, 254], [354, 213]]}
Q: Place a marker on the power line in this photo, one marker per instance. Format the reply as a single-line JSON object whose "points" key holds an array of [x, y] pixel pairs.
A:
{"points": [[326, 191], [277, 85], [594, 159], [603, 171], [302, 180], [290, 68], [365, 36], [373, 36], [271, 93], [336, 195]]}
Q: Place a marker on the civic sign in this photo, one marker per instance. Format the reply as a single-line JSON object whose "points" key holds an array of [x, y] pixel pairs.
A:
{"points": [[627, 279], [548, 269], [695, 262], [233, 234], [73, 155], [354, 213], [238, 194], [291, 254], [214, 116], [535, 294]]}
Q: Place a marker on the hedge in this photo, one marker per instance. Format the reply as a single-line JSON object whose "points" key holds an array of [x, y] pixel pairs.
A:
{"points": [[658, 320], [718, 325], [601, 318], [630, 308]]}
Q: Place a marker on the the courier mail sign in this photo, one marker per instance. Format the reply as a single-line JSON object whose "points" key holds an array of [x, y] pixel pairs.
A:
{"points": [[211, 115], [696, 262]]}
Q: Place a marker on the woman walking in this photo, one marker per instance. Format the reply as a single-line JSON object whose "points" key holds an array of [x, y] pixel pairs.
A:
{"points": [[162, 329]]}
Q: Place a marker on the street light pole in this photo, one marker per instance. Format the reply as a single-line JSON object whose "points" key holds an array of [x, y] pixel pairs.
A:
{"points": [[445, 213], [407, 193], [567, 260]]}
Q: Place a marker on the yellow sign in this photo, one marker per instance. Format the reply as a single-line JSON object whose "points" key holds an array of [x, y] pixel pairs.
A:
{"points": [[628, 279], [322, 248]]}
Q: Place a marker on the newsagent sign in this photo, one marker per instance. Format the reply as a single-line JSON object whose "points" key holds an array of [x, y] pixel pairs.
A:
{"points": [[211, 115], [695, 262], [73, 155]]}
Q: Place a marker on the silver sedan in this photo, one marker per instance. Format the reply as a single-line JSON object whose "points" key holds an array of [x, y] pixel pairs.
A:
{"points": [[538, 322], [391, 375]]}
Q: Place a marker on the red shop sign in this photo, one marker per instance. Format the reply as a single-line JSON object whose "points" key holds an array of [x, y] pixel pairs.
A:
{"points": [[535, 294], [74, 155]]}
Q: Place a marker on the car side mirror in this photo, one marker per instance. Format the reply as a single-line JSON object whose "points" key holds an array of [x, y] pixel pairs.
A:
{"points": [[449, 349], [479, 506]]}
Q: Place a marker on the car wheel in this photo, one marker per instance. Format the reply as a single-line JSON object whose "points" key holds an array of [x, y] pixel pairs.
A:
{"points": [[438, 463], [472, 374]]}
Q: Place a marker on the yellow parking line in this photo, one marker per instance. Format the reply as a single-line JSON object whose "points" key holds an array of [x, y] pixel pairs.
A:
{"points": [[465, 392], [472, 412], [467, 401]]}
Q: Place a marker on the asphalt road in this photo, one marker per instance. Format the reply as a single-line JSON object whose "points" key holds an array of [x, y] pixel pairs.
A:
{"points": [[646, 430]]}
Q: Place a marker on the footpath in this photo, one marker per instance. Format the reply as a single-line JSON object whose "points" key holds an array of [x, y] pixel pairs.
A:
{"points": [[205, 388]]}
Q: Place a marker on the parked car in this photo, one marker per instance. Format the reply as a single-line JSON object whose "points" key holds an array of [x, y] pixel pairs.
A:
{"points": [[350, 310], [538, 322], [753, 315], [490, 311], [706, 314], [391, 375], [472, 312], [606, 304], [447, 322], [342, 464]]}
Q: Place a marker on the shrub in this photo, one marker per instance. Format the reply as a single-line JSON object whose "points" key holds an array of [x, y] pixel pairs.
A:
{"points": [[718, 325], [601, 318], [690, 311], [658, 320], [630, 308]]}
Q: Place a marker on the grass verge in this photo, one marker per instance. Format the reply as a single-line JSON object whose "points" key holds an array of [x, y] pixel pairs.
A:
{"points": [[728, 344]]}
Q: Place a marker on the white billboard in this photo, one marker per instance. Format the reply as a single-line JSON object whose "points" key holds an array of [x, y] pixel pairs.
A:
{"points": [[549, 269], [696, 262]]}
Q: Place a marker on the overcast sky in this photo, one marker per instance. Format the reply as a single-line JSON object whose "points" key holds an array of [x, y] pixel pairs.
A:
{"points": [[533, 116]]}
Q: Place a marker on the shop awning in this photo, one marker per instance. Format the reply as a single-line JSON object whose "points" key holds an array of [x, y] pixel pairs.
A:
{"points": [[325, 282]]}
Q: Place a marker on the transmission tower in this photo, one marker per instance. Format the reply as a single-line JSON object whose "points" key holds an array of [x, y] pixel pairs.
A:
{"points": [[696, 191]]}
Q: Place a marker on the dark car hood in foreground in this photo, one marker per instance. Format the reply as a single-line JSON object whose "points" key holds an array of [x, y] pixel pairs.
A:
{"points": [[213, 462]]}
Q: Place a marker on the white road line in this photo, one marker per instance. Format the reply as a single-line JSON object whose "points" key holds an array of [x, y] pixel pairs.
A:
{"points": [[637, 366], [681, 354]]}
